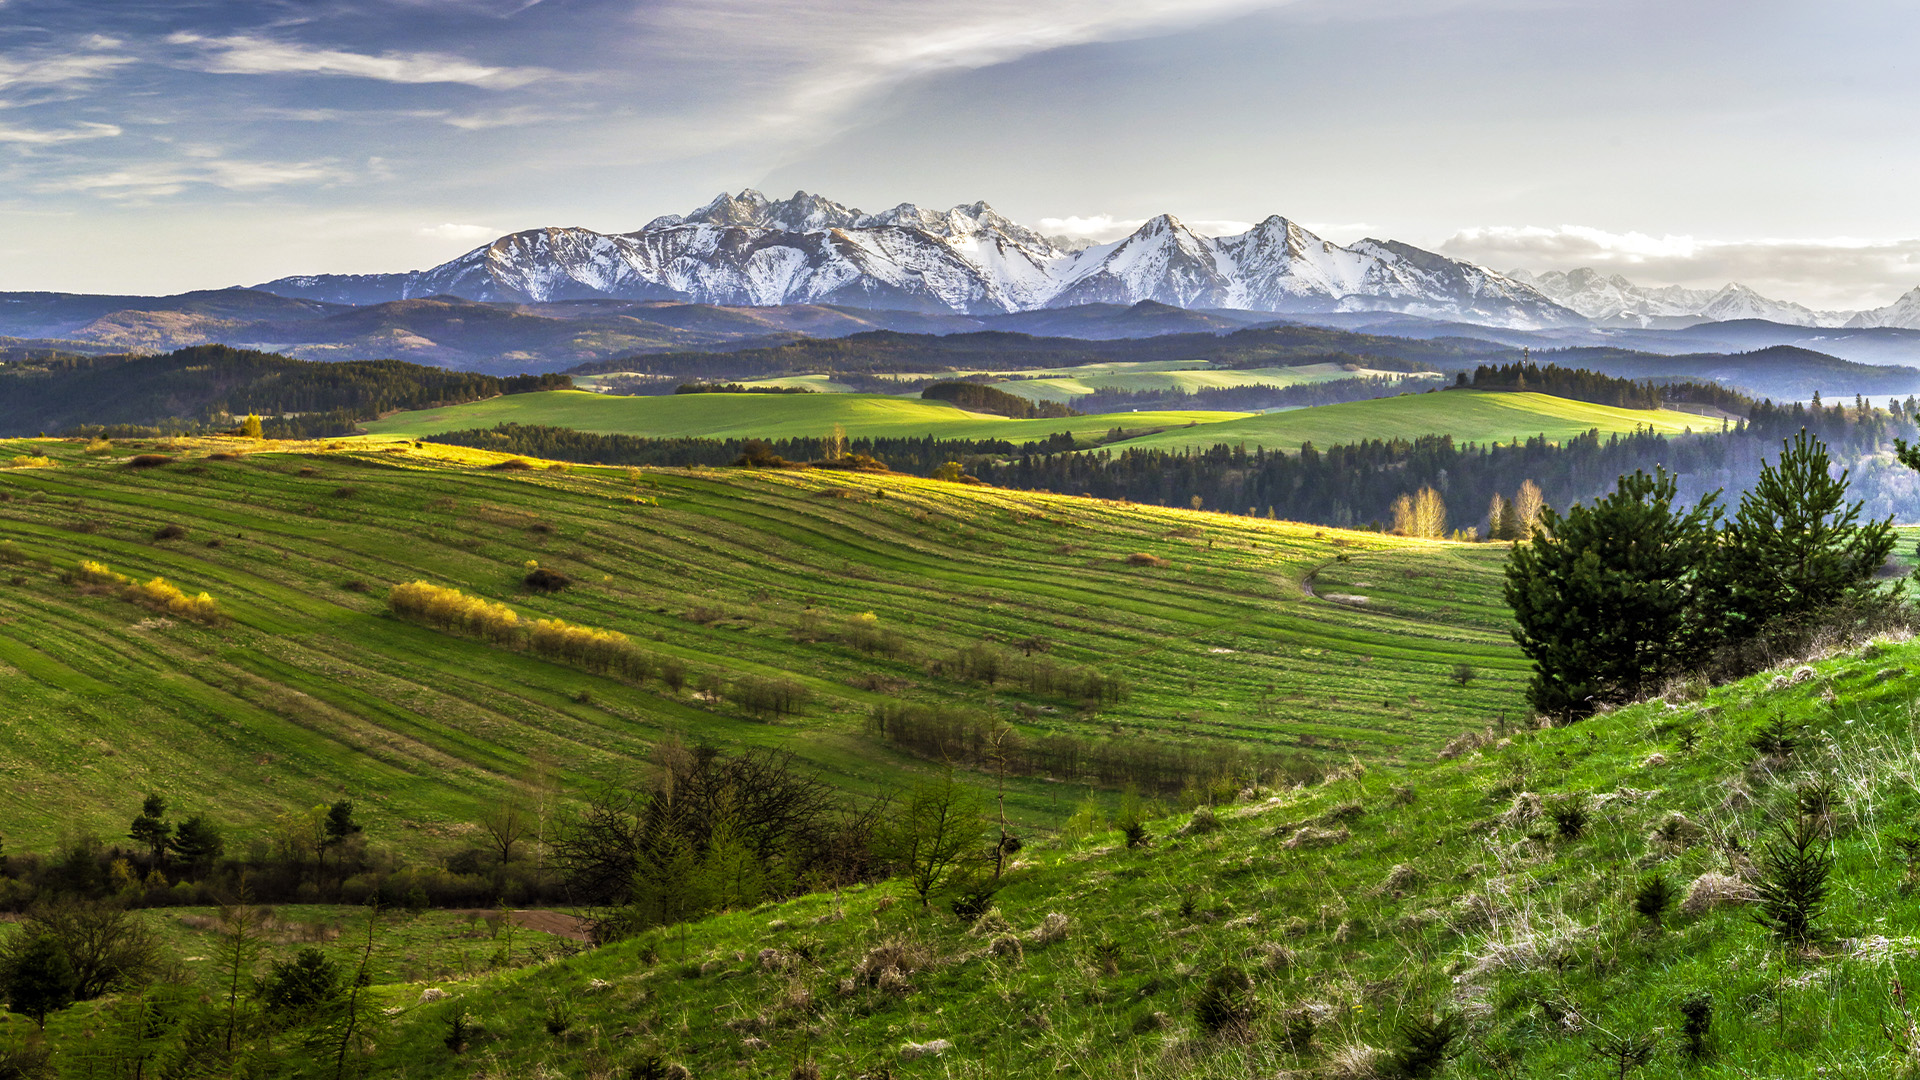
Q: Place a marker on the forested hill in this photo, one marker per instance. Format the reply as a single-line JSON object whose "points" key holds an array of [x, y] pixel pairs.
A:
{"points": [[210, 384], [890, 351]]}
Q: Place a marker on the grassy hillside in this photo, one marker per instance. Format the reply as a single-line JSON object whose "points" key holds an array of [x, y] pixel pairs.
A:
{"points": [[765, 416], [1456, 887], [1467, 415], [308, 692], [1067, 385]]}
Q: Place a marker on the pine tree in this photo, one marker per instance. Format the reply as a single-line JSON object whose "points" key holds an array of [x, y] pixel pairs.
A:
{"points": [[1795, 547], [1604, 596], [37, 977]]}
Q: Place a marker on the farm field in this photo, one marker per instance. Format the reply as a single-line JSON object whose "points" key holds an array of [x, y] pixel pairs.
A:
{"points": [[763, 416], [308, 692], [1065, 385], [1477, 416]]}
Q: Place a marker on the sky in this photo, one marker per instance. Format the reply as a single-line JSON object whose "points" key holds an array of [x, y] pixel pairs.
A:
{"points": [[154, 147]]}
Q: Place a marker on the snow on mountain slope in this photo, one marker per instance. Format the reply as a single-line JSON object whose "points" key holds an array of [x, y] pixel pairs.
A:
{"points": [[746, 249], [1613, 299]]}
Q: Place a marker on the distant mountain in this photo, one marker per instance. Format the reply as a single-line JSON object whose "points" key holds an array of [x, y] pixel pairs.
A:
{"points": [[1612, 300], [751, 251]]}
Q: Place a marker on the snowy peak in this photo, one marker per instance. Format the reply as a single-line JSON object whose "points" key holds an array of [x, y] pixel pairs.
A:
{"points": [[747, 249]]}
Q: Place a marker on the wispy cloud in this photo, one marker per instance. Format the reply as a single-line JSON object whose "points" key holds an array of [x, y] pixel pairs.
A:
{"points": [[248, 55], [798, 66], [61, 70], [451, 231], [160, 179], [41, 137], [1829, 272]]}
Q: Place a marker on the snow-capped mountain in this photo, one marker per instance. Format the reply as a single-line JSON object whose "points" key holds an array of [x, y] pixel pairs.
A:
{"points": [[1613, 300], [748, 250]]}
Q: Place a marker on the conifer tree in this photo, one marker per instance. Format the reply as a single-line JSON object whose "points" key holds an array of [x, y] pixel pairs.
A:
{"points": [[37, 977], [1795, 547], [1604, 596]]}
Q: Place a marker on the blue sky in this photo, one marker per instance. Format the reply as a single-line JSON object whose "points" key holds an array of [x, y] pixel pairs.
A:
{"points": [[149, 146]]}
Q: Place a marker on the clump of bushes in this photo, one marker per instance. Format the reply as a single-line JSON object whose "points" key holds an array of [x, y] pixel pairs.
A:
{"points": [[543, 580], [30, 461], [169, 532], [148, 461], [163, 596], [512, 465]]}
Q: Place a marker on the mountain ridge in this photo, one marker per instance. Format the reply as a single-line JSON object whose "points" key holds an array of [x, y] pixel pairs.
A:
{"points": [[746, 249]]}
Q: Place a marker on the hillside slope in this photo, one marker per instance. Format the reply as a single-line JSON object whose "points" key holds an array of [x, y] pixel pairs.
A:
{"points": [[1350, 908], [762, 416], [1467, 415], [308, 692]]}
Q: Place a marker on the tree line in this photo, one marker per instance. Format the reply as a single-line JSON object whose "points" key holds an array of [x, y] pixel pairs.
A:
{"points": [[208, 387], [978, 397]]}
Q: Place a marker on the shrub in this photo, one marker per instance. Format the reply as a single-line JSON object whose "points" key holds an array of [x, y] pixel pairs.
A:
{"points": [[169, 532], [1653, 897], [1696, 1015], [1426, 1044], [1570, 817], [163, 596], [1141, 558], [30, 461], [148, 461], [308, 980], [451, 609], [90, 572], [1225, 1004], [1793, 881], [544, 580], [512, 465]]}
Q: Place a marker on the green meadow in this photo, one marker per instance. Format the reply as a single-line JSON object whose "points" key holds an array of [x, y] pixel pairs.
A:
{"points": [[1063, 385], [763, 416], [1477, 416], [307, 691], [1492, 886]]}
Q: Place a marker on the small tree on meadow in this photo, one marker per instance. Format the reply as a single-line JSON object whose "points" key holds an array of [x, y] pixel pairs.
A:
{"points": [[1604, 595], [935, 834], [151, 828], [199, 844], [36, 976], [1796, 547]]}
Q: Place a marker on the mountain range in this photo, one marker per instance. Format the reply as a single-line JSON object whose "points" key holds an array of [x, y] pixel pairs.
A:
{"points": [[1612, 300], [748, 250]]}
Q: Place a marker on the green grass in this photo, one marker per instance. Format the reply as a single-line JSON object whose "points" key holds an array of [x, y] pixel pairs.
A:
{"points": [[1467, 415], [1064, 387], [310, 693], [763, 416], [1444, 886]]}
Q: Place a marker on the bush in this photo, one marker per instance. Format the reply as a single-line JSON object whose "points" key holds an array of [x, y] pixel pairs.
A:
{"points": [[160, 595], [308, 980], [1793, 881], [1225, 1004], [543, 580], [169, 532], [148, 461]]}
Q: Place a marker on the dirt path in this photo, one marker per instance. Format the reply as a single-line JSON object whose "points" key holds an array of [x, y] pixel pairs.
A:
{"points": [[557, 923]]}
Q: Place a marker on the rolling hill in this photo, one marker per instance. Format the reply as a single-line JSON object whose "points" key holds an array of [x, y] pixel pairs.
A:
{"points": [[1466, 415], [762, 416], [304, 690]]}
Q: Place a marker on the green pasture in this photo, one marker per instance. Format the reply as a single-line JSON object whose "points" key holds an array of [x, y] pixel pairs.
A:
{"points": [[1065, 387], [310, 693], [1460, 886], [763, 416], [1476, 416]]}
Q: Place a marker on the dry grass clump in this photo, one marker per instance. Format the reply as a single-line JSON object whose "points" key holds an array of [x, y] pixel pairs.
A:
{"points": [[1141, 558], [891, 965], [1201, 823], [1712, 890], [1309, 837], [1053, 928]]}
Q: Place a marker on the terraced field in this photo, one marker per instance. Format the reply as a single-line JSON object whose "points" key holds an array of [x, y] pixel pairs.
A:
{"points": [[763, 416], [310, 692], [1478, 416]]}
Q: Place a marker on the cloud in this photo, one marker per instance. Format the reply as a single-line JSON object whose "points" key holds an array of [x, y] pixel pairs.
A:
{"points": [[1833, 272], [37, 137], [68, 69], [246, 55], [160, 179], [512, 116], [1105, 228], [459, 232], [796, 68]]}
